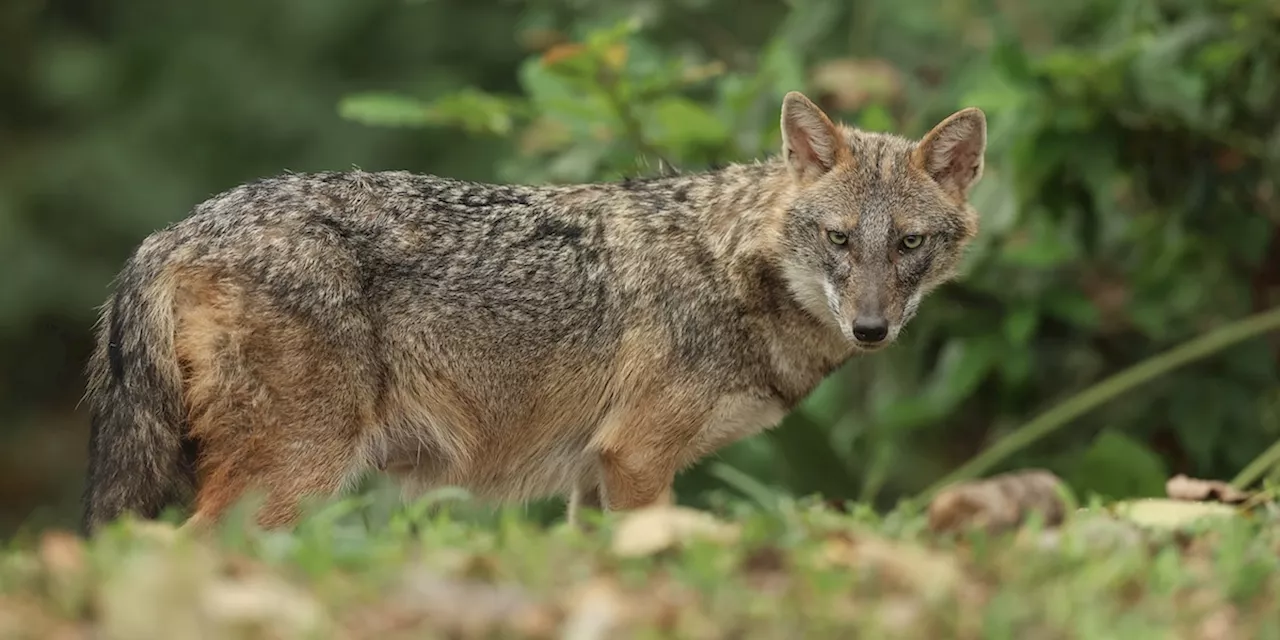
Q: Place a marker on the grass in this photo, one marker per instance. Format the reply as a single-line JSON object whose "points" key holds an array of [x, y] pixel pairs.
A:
{"points": [[797, 569]]}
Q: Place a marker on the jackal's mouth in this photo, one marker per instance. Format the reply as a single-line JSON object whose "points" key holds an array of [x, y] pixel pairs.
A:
{"points": [[871, 347]]}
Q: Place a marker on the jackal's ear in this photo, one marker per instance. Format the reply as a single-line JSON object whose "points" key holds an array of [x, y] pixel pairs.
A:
{"points": [[811, 144], [952, 153]]}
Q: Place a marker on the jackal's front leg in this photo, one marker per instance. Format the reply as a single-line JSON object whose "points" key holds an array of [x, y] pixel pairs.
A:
{"points": [[636, 479], [640, 456]]}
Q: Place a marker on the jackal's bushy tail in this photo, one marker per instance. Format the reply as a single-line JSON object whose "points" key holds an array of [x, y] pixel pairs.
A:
{"points": [[139, 458]]}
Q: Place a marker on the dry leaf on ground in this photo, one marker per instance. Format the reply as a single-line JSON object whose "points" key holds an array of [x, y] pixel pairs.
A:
{"points": [[263, 602], [907, 567], [181, 591], [461, 607], [27, 617], [1220, 625], [654, 529], [62, 553], [998, 503], [155, 594], [1182, 487], [599, 610], [63, 557], [1163, 512]]}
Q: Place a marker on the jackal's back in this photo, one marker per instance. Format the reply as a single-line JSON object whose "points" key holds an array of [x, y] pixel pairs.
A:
{"points": [[516, 263]]}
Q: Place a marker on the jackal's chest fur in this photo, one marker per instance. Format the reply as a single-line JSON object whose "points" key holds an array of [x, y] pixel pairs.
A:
{"points": [[736, 416]]}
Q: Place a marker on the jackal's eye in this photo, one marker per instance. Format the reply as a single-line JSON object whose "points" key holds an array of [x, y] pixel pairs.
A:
{"points": [[912, 241], [837, 237]]}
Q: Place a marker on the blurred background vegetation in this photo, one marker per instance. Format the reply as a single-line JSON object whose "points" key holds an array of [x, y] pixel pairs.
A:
{"points": [[1129, 203]]}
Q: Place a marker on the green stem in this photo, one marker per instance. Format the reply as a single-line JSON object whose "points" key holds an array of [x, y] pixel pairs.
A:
{"points": [[1079, 404], [1259, 467]]}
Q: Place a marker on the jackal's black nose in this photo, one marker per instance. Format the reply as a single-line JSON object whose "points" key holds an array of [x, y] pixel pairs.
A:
{"points": [[870, 329]]}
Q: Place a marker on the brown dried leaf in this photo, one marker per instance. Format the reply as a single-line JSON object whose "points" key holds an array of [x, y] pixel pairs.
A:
{"points": [[900, 616], [766, 569], [1222, 624], [1110, 294], [907, 567], [156, 594], [539, 39], [599, 611], [1229, 160], [560, 52], [1181, 487], [653, 529], [765, 560], [26, 617], [998, 503], [544, 135], [62, 553], [602, 608], [457, 607], [261, 602]]}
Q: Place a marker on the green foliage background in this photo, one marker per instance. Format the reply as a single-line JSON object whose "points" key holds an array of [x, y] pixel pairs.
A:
{"points": [[1129, 202]]}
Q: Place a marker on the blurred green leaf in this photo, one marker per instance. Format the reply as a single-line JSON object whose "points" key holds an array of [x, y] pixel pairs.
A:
{"points": [[677, 122], [472, 111], [1072, 306], [1020, 324], [1116, 466], [385, 109], [961, 367], [556, 98], [783, 65], [876, 118]]}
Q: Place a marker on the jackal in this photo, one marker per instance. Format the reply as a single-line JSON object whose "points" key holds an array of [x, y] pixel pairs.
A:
{"points": [[585, 341]]}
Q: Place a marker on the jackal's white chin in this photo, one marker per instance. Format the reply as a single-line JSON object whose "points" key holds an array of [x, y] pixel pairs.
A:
{"points": [[870, 347]]}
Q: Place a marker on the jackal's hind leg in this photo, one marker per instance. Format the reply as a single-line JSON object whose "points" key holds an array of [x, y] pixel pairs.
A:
{"points": [[275, 405]]}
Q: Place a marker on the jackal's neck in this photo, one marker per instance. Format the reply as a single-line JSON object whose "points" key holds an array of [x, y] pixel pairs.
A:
{"points": [[740, 213], [741, 206], [745, 210], [753, 205]]}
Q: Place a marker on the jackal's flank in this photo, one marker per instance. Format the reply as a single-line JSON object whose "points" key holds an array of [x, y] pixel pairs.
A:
{"points": [[518, 341]]}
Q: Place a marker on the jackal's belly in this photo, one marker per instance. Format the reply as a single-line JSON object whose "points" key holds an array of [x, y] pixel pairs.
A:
{"points": [[533, 478], [516, 439]]}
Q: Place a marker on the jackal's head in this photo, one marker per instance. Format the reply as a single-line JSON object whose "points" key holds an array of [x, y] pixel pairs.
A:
{"points": [[877, 221]]}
